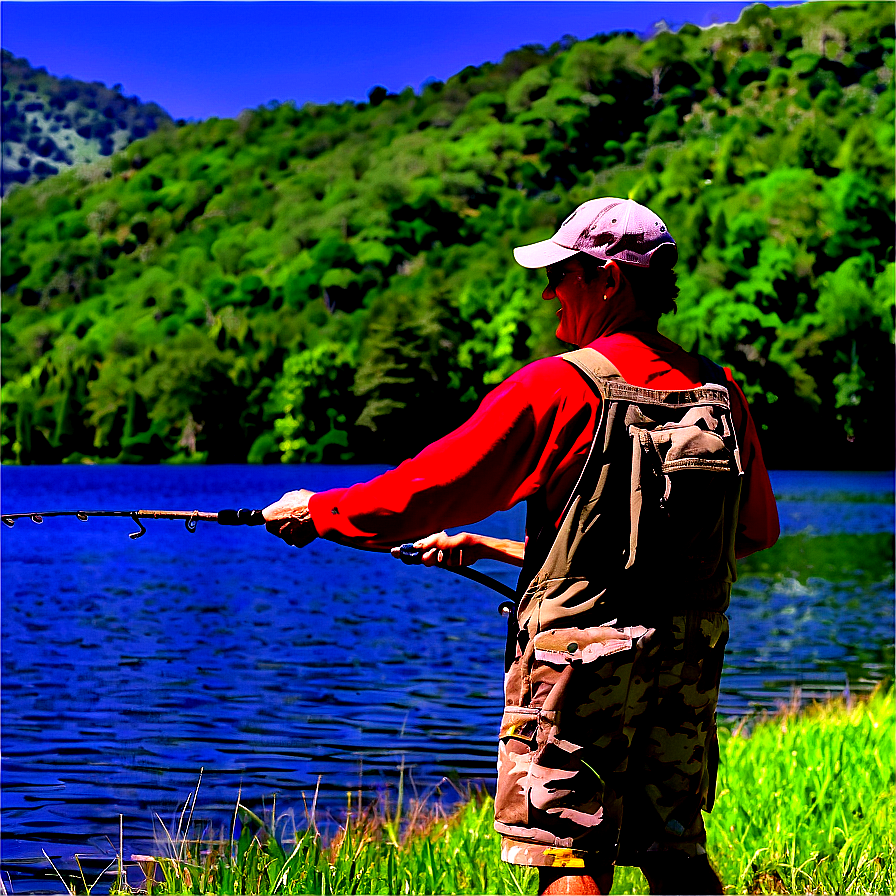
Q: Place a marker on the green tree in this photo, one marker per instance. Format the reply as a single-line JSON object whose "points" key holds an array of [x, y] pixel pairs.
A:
{"points": [[311, 407], [152, 298]]}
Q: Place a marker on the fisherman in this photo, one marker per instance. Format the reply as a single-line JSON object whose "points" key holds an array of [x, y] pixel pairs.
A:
{"points": [[643, 477]]}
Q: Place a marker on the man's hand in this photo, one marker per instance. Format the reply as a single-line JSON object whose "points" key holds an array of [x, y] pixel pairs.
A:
{"points": [[465, 548], [290, 520], [441, 549]]}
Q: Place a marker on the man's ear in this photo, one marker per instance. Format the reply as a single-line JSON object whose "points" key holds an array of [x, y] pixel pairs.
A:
{"points": [[614, 278]]}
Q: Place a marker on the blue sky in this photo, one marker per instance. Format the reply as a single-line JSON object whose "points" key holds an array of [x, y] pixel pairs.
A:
{"points": [[198, 59]]}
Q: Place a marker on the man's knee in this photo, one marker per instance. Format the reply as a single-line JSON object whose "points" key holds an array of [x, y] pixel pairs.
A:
{"points": [[675, 873], [560, 882]]}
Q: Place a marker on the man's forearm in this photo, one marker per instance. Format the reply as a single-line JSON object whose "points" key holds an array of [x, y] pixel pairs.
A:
{"points": [[465, 549], [504, 549]]}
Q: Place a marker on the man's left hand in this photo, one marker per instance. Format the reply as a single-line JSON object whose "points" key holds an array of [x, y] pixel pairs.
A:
{"points": [[290, 519]]}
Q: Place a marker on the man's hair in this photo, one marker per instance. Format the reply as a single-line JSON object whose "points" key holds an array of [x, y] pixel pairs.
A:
{"points": [[655, 288]]}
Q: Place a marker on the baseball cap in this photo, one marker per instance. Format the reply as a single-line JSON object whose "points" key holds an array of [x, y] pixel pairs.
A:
{"points": [[609, 229]]}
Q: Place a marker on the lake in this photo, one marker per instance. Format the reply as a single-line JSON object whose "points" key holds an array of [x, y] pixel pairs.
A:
{"points": [[130, 665]]}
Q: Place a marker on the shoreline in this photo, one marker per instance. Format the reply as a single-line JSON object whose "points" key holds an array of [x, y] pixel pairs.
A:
{"points": [[805, 804]]}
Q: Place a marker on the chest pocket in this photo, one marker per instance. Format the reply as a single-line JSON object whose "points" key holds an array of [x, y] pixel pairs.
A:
{"points": [[684, 481]]}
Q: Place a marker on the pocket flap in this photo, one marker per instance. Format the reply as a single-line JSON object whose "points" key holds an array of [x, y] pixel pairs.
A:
{"points": [[519, 723], [566, 645]]}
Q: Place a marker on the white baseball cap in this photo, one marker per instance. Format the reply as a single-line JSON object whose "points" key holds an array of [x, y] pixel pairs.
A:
{"points": [[609, 229]]}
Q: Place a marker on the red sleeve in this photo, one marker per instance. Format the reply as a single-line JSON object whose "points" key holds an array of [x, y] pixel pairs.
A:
{"points": [[757, 526], [516, 443]]}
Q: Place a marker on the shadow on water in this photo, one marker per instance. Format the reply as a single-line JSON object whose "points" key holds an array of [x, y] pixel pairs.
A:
{"points": [[129, 666]]}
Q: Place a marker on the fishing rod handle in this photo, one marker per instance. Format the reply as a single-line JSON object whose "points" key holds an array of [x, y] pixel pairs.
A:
{"points": [[407, 553], [241, 517]]}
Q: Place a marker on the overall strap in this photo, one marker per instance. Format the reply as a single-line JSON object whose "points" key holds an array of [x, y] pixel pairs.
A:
{"points": [[596, 370], [606, 379], [593, 363], [596, 367], [599, 371]]}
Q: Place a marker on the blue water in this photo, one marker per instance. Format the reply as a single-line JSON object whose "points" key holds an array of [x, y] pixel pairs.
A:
{"points": [[129, 666]]}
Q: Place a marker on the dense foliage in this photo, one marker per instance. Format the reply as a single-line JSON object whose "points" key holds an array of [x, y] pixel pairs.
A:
{"points": [[50, 123], [336, 282]]}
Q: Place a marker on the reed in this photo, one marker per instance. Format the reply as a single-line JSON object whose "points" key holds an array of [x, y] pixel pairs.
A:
{"points": [[805, 804]]}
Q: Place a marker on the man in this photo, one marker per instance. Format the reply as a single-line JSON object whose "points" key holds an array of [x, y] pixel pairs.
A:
{"points": [[642, 484]]}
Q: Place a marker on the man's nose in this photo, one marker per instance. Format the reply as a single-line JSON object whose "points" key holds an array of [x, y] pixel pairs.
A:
{"points": [[549, 292]]}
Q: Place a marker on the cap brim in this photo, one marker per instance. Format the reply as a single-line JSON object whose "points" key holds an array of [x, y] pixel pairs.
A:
{"points": [[540, 255]]}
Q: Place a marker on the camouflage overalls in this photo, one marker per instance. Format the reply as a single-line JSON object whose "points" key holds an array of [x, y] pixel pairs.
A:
{"points": [[610, 700]]}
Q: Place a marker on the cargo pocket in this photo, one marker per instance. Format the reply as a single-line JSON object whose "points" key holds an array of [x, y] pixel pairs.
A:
{"points": [[518, 744], [550, 787], [534, 801], [583, 720]]}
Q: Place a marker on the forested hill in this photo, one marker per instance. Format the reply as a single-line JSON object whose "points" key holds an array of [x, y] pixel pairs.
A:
{"points": [[336, 282], [51, 123]]}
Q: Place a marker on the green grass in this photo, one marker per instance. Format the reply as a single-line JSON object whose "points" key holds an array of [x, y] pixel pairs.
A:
{"points": [[805, 804]]}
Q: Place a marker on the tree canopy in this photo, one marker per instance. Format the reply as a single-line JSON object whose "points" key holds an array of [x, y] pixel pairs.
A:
{"points": [[50, 123], [336, 283]]}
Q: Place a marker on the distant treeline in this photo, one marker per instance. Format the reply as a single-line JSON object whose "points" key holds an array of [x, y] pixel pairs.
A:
{"points": [[335, 283], [50, 123]]}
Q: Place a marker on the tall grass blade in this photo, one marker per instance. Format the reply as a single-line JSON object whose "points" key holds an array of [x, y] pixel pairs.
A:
{"points": [[68, 889]]}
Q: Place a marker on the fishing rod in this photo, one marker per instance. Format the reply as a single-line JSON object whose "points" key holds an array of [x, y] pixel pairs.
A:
{"points": [[243, 517], [407, 553]]}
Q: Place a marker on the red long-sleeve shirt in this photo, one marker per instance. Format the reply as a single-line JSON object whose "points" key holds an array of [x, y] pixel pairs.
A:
{"points": [[530, 437]]}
